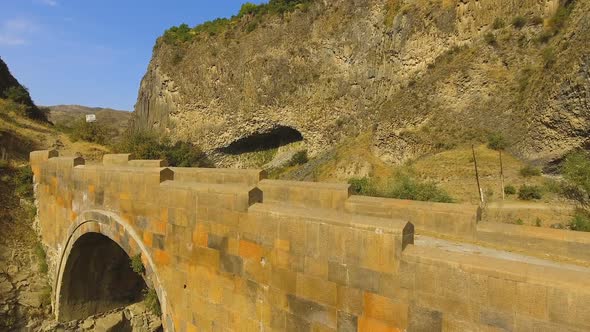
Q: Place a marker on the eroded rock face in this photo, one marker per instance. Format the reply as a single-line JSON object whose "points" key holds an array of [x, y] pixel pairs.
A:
{"points": [[419, 75]]}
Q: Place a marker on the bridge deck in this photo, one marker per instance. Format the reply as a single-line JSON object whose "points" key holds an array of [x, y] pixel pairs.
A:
{"points": [[470, 248]]}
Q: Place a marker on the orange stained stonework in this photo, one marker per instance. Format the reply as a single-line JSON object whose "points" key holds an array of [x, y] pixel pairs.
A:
{"points": [[230, 250]]}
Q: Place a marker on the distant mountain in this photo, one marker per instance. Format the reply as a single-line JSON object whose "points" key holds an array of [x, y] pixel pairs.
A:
{"points": [[65, 116]]}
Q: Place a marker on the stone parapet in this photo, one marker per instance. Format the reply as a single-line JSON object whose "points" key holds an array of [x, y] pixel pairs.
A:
{"points": [[219, 176], [536, 240], [306, 194], [454, 220], [451, 291]]}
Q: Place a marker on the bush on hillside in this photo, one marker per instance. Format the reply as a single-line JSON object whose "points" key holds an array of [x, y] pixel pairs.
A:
{"points": [[183, 33], [92, 132], [402, 186], [528, 193], [406, 187], [137, 264], [529, 171], [23, 181], [18, 94], [519, 22], [549, 57], [490, 38], [576, 172], [144, 145], [497, 141], [248, 9], [510, 190], [498, 23], [363, 186], [298, 158], [8, 106], [560, 17], [580, 221], [152, 302], [536, 20]]}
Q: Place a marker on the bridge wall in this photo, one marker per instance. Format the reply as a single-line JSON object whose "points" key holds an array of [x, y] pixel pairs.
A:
{"points": [[229, 250]]}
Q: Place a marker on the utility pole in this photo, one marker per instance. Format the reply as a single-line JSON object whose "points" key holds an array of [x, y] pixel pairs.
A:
{"points": [[477, 176], [502, 174]]}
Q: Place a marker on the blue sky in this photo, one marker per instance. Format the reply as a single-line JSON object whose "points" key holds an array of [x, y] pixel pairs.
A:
{"points": [[92, 53]]}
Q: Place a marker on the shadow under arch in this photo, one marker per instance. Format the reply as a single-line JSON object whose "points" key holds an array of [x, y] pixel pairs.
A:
{"points": [[105, 229]]}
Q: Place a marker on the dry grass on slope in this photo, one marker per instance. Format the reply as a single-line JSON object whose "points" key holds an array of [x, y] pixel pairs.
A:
{"points": [[20, 135]]}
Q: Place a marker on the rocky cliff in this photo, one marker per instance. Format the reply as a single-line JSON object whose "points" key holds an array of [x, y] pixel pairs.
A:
{"points": [[418, 75]]}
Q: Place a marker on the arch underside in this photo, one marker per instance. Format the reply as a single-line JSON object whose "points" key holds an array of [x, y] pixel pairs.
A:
{"points": [[97, 278], [94, 274]]}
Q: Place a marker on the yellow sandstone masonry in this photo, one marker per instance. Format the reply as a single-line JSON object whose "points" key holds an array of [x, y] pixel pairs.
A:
{"points": [[228, 250]]}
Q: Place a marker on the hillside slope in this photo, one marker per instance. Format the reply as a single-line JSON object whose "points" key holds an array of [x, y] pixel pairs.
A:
{"points": [[418, 76], [115, 121]]}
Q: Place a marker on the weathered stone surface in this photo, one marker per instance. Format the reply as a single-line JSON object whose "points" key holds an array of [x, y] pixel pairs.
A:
{"points": [[416, 75], [220, 257], [111, 323]]}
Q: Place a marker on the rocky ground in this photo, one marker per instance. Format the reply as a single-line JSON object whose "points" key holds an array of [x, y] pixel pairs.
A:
{"points": [[132, 318], [25, 300]]}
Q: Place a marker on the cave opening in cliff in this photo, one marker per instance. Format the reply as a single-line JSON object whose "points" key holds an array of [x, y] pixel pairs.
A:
{"points": [[272, 139], [97, 278]]}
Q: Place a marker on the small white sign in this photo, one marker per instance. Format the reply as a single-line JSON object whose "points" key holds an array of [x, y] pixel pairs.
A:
{"points": [[90, 118]]}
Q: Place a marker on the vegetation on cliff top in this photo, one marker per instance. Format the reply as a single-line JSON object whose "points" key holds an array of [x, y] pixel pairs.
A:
{"points": [[250, 14]]}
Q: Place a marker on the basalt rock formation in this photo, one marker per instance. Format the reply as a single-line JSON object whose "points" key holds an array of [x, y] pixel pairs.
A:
{"points": [[419, 75]]}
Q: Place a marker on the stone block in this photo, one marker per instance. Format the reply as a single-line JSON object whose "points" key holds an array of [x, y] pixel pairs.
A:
{"points": [[392, 312], [316, 289], [532, 300], [312, 311], [116, 159], [424, 320]]}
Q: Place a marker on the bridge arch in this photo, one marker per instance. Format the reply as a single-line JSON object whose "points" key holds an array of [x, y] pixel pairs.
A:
{"points": [[99, 235]]}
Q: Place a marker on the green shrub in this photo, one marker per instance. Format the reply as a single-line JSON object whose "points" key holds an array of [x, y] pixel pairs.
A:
{"points": [[490, 38], [497, 141], [576, 172], [529, 171], [18, 94], [545, 36], [561, 16], [363, 186], [580, 221], [248, 9], [41, 257], [536, 20], [403, 186], [152, 302], [498, 23], [178, 35], [45, 296], [299, 158], [144, 145], [406, 187], [538, 222], [519, 222], [528, 193], [510, 190], [136, 264], [93, 132], [23, 181], [519, 22], [549, 57]]}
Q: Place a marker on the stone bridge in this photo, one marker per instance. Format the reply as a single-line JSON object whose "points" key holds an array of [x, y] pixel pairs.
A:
{"points": [[228, 250]]}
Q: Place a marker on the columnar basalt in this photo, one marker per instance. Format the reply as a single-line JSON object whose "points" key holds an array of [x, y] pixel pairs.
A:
{"points": [[229, 250], [419, 75]]}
